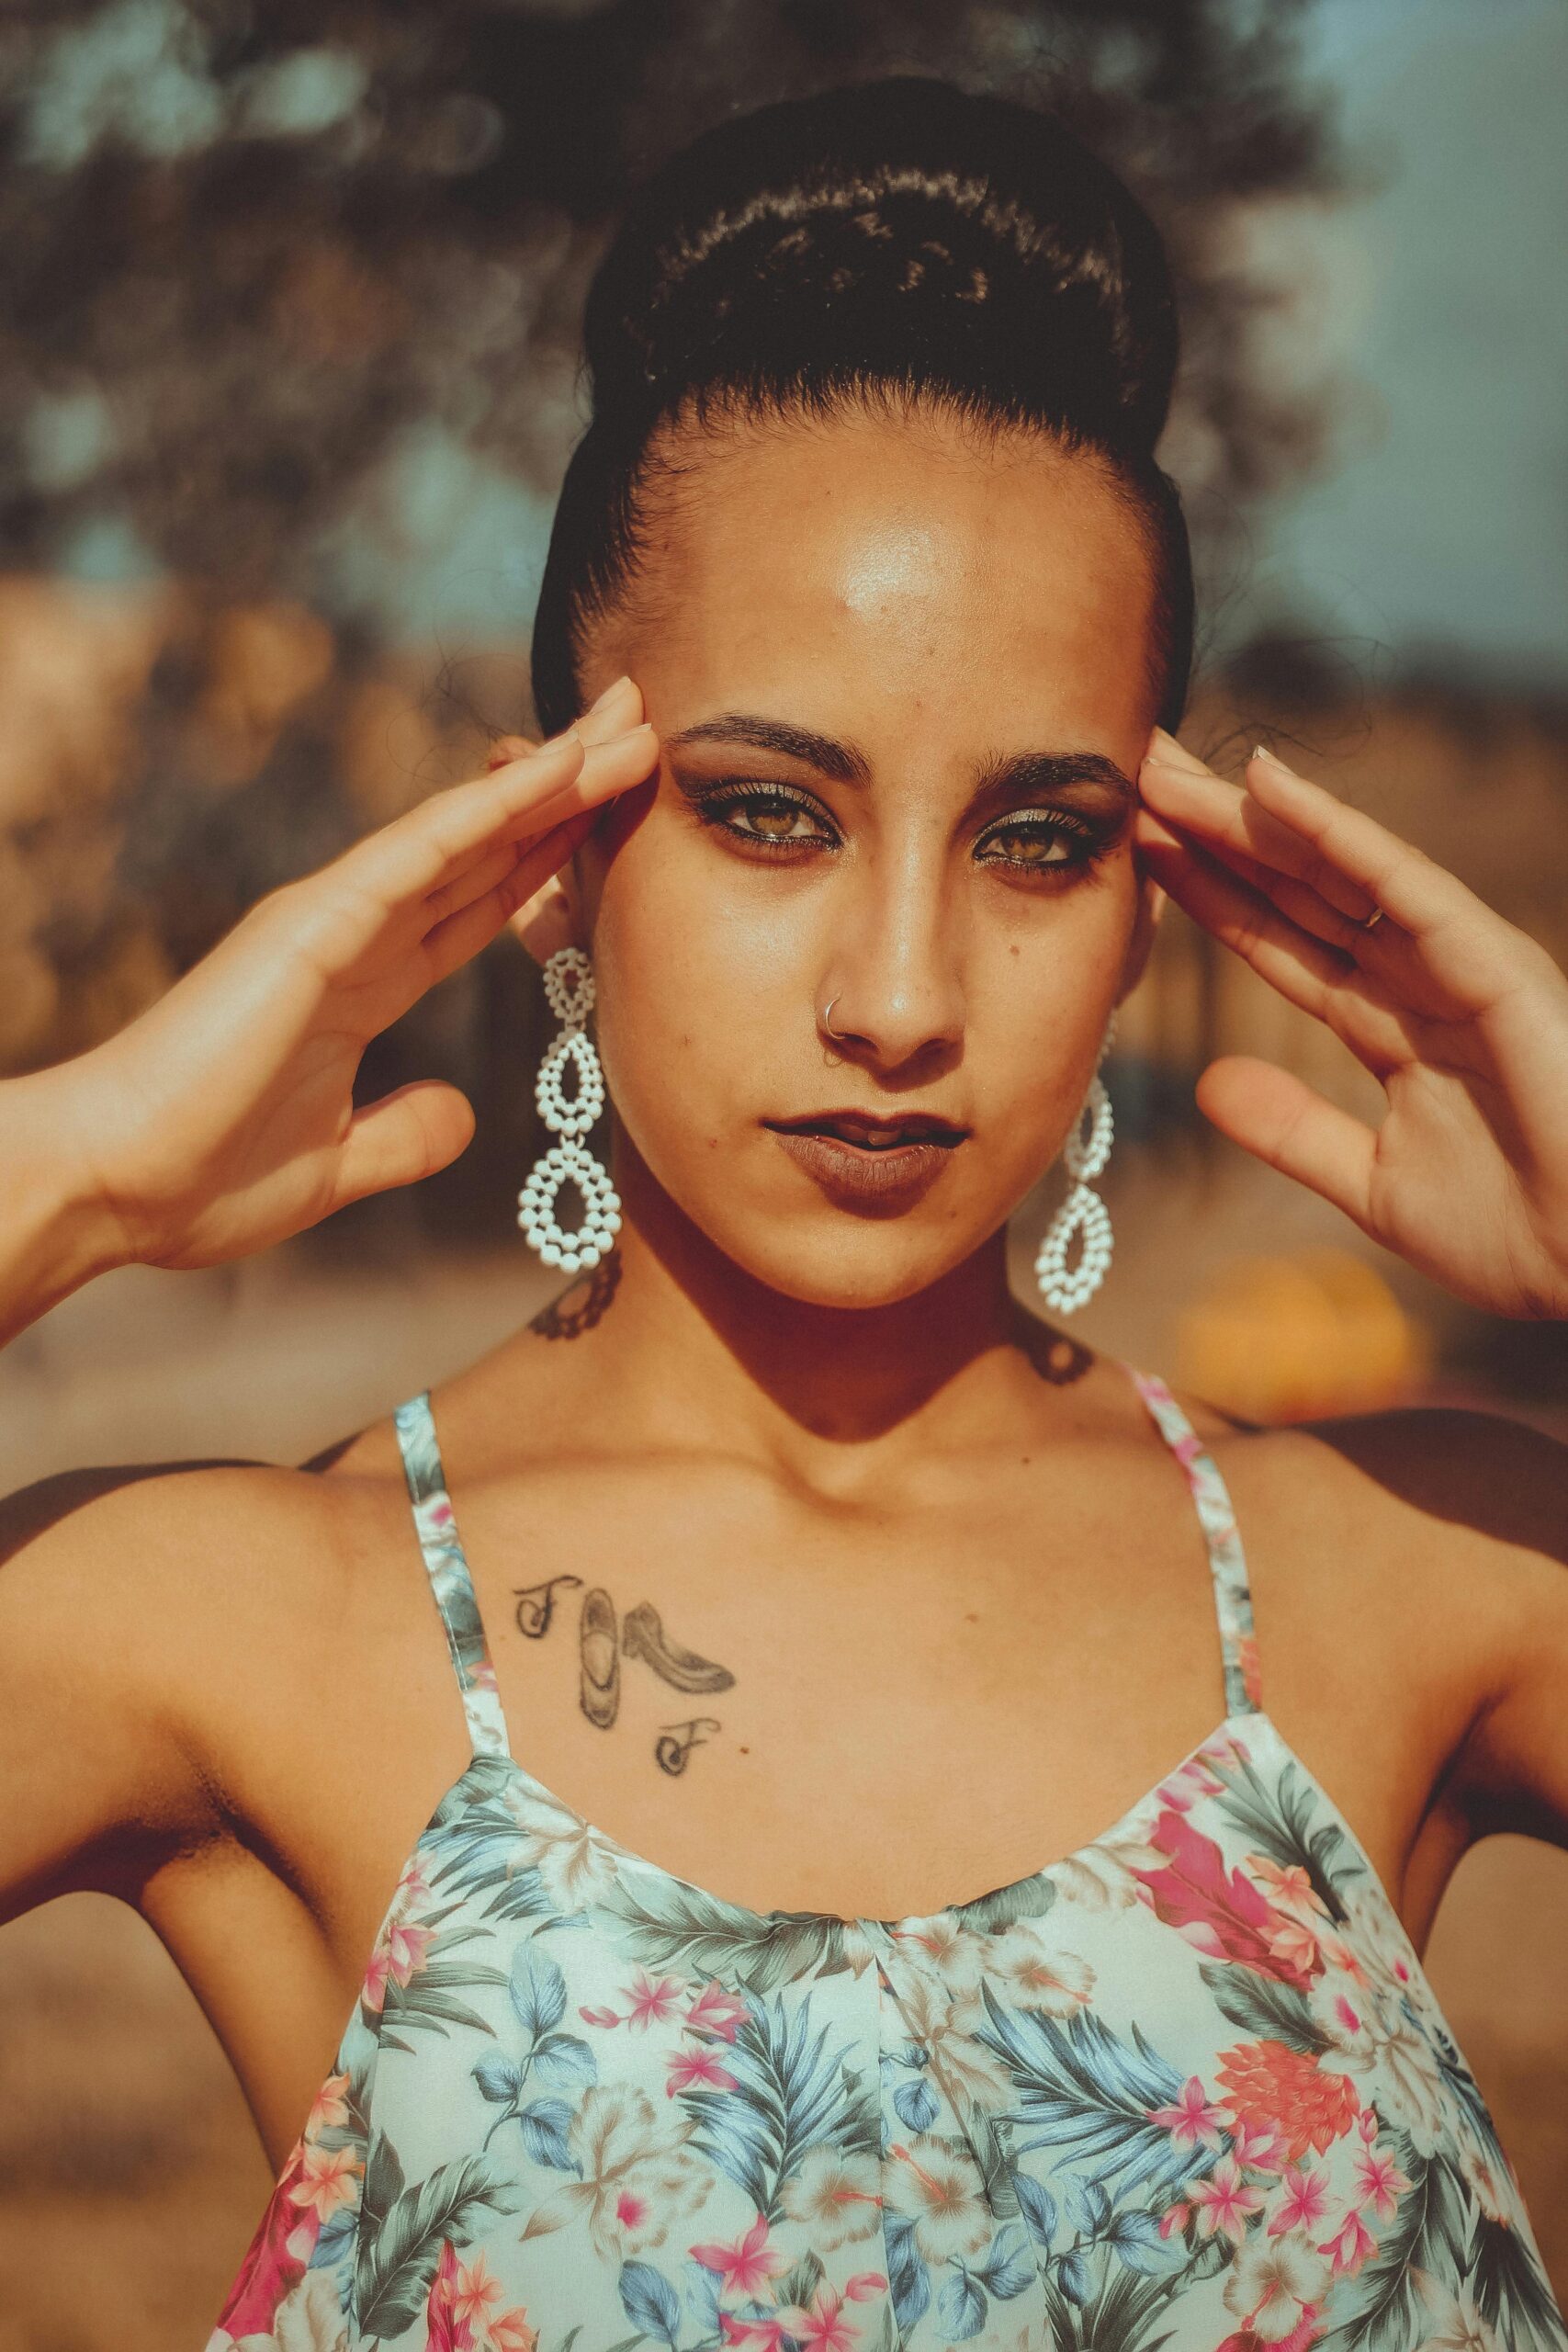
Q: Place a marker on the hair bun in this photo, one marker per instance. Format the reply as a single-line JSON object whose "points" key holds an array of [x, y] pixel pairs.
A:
{"points": [[978, 231]]}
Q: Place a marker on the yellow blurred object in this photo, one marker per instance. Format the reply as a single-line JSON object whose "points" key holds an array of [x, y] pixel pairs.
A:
{"points": [[1292, 1338]]}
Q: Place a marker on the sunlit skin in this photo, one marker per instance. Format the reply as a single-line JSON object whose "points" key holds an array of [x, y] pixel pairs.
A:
{"points": [[959, 1586], [980, 609]]}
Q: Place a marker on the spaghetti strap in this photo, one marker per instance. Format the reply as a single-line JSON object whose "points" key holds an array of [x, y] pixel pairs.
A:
{"points": [[1227, 1562], [450, 1580]]}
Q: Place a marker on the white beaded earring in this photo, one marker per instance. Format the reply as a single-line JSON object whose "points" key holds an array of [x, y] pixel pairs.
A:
{"points": [[1083, 1211], [569, 984]]}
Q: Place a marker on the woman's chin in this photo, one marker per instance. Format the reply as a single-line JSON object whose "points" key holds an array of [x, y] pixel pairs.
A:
{"points": [[858, 1272]]}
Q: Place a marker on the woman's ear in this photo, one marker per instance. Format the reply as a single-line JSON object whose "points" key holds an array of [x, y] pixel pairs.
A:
{"points": [[552, 918]]}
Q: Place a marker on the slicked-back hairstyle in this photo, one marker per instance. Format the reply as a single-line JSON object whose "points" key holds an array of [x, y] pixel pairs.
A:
{"points": [[890, 243]]}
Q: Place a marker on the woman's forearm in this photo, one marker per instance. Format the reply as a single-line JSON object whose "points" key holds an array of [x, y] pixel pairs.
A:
{"points": [[56, 1232]]}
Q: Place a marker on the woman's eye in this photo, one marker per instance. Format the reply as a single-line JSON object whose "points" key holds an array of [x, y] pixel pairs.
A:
{"points": [[771, 820], [1038, 844]]}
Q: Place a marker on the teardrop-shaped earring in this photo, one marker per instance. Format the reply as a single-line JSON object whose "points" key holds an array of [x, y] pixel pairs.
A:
{"points": [[1083, 1212], [569, 985]]}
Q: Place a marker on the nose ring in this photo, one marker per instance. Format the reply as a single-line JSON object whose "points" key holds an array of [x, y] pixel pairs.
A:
{"points": [[827, 1017]]}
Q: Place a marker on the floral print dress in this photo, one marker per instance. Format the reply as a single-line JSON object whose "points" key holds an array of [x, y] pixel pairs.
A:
{"points": [[1186, 2087]]}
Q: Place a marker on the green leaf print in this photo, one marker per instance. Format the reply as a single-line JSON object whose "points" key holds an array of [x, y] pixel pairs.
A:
{"points": [[1384, 2310], [1029, 1899], [1510, 2293], [800, 2283], [1264, 2007], [428, 1999], [1118, 2317], [667, 1925], [789, 2097], [1278, 1821], [400, 2249], [1090, 2095]]}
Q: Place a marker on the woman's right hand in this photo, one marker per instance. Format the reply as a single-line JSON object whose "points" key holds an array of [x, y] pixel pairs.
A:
{"points": [[222, 1119]]}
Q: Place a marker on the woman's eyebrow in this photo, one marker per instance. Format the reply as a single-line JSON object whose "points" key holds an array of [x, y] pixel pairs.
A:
{"points": [[1018, 778], [1031, 776], [843, 762]]}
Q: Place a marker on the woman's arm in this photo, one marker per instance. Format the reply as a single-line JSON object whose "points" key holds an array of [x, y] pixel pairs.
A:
{"points": [[222, 1119], [54, 1235], [99, 1779]]}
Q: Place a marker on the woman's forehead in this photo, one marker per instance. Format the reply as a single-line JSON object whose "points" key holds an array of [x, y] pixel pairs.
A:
{"points": [[904, 557]]}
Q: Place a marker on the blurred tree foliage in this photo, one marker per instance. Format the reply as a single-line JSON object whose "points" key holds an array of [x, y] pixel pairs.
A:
{"points": [[254, 256]]}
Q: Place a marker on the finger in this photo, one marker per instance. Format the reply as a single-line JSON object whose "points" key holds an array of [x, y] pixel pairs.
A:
{"points": [[1297, 901], [398, 866], [462, 935], [395, 870], [1228, 819], [617, 708], [1306, 971], [406, 1136], [1285, 1123], [1466, 947]]}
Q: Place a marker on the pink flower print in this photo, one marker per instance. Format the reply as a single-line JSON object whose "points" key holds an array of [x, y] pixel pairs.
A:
{"points": [[329, 2180], [1289, 1888], [652, 1999], [473, 2292], [699, 2065], [483, 1674], [329, 2109], [444, 2331], [1304, 2200], [1367, 2124], [631, 2211], [509, 2331], [748, 2266], [1342, 1956], [1381, 2182], [1251, 1676], [600, 2017], [820, 2329], [1296, 1945], [1192, 2120], [1174, 2219], [397, 1957], [1189, 1784], [1224, 2201], [276, 2258], [767, 2333], [864, 2283], [716, 2010], [1350, 2245], [1217, 1911], [1261, 2147]]}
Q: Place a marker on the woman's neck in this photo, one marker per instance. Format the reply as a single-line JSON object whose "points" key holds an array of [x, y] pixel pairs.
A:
{"points": [[693, 1352]]}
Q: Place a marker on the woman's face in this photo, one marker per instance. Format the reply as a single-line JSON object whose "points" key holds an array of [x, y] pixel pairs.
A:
{"points": [[901, 697]]}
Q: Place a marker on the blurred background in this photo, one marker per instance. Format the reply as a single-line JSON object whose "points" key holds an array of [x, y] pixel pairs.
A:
{"points": [[287, 381]]}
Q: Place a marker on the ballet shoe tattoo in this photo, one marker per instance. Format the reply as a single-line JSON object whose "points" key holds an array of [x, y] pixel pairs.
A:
{"points": [[601, 1693], [641, 1635]]}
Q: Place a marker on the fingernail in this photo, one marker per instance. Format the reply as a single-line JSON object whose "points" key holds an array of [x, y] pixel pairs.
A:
{"points": [[609, 694], [1172, 755], [1261, 751]]}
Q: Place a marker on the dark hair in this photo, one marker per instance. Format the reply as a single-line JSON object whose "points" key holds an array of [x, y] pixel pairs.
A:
{"points": [[887, 240]]}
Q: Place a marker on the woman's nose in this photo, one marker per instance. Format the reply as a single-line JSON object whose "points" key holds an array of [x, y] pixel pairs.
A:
{"points": [[892, 986]]}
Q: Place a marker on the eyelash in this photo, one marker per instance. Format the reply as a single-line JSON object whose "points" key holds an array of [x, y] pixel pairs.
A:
{"points": [[714, 807]]}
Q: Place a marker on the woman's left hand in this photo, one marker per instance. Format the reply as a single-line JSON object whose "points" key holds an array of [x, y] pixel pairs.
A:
{"points": [[1461, 1017]]}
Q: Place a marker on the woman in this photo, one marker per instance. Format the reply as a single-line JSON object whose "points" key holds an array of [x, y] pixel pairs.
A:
{"points": [[793, 1551]]}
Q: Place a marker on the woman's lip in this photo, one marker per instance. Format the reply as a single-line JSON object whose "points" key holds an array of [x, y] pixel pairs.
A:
{"points": [[893, 1176]]}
